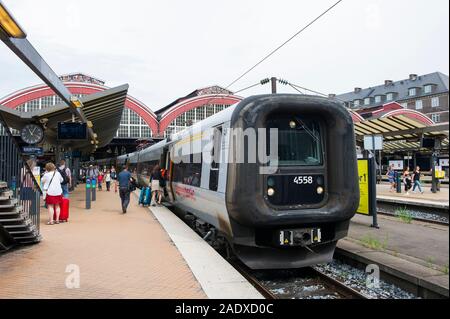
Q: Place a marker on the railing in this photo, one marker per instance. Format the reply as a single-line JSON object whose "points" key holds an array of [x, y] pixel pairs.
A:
{"points": [[15, 170]]}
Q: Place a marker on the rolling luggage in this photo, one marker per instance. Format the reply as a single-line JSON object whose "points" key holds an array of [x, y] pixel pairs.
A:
{"points": [[142, 195], [147, 197], [64, 211]]}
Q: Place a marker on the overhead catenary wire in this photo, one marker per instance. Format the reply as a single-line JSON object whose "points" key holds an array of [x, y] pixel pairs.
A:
{"points": [[283, 44]]}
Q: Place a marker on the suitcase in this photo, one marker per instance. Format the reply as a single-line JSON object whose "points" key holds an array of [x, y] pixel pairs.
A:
{"points": [[142, 195], [147, 197], [64, 211]]}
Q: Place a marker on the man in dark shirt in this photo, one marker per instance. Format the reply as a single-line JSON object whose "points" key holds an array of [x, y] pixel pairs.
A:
{"points": [[124, 179]]}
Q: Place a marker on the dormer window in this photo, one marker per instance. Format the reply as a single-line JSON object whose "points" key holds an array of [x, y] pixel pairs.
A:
{"points": [[356, 102], [428, 88], [378, 98], [367, 101], [412, 91], [389, 96]]}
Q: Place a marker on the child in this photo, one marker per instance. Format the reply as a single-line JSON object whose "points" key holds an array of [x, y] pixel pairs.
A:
{"points": [[100, 180]]}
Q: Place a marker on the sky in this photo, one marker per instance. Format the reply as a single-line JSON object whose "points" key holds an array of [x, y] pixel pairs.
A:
{"points": [[167, 49]]}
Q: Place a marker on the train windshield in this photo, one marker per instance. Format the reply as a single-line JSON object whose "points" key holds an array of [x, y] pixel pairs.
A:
{"points": [[299, 141]]}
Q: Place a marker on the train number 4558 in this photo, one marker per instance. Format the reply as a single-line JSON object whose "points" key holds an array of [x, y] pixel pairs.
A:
{"points": [[303, 180]]}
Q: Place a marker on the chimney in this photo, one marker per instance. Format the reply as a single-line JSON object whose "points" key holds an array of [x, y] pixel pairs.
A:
{"points": [[331, 95], [413, 77], [357, 90], [388, 82]]}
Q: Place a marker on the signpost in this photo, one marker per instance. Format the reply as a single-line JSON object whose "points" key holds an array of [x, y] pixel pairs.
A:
{"points": [[367, 179], [367, 189], [88, 193]]}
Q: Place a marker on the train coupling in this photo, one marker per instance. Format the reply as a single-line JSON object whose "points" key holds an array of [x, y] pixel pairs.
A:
{"points": [[300, 237]]}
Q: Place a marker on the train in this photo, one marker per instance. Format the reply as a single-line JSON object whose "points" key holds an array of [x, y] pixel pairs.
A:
{"points": [[272, 179]]}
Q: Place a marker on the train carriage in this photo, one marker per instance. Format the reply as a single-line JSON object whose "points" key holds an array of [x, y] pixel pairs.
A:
{"points": [[286, 211]]}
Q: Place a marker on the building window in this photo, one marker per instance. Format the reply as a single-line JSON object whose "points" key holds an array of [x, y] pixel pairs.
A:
{"points": [[378, 98], [46, 101], [436, 118], [145, 131], [367, 101], [356, 103], [435, 102], [134, 118], [412, 91], [428, 88], [123, 131], [33, 105], [135, 131], [419, 105], [404, 105], [389, 96], [124, 119]]}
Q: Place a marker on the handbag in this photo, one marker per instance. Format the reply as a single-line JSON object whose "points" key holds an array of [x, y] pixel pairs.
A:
{"points": [[44, 193]]}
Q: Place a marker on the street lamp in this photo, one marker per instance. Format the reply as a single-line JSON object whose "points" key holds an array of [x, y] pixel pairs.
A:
{"points": [[9, 24]]}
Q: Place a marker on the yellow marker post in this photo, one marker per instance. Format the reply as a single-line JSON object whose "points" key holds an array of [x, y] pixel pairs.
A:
{"points": [[363, 172], [367, 189]]}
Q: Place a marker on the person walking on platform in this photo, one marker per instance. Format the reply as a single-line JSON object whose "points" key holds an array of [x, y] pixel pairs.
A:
{"points": [[100, 181], [407, 180], [155, 182], [124, 179], [416, 178], [67, 177], [391, 177], [108, 180], [52, 180]]}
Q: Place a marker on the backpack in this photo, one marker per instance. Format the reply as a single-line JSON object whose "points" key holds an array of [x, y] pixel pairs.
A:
{"points": [[64, 176]]}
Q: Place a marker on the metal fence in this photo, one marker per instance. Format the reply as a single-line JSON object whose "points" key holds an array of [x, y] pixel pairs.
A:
{"points": [[15, 170]]}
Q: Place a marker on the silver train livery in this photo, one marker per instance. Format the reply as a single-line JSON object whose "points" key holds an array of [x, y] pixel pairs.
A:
{"points": [[287, 215]]}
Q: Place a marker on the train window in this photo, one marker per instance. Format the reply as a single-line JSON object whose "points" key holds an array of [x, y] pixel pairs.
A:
{"points": [[299, 141], [189, 170]]}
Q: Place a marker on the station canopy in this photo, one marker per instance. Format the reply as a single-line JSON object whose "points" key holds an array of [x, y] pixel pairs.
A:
{"points": [[402, 129], [104, 109]]}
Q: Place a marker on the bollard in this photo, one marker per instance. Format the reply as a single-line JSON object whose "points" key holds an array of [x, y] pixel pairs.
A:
{"points": [[94, 189], [88, 193]]}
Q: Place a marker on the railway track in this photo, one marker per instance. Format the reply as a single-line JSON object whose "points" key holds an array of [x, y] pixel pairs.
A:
{"points": [[420, 219], [317, 284]]}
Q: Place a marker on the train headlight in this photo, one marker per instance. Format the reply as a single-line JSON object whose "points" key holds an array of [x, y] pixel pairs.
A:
{"points": [[319, 190], [292, 124], [270, 191]]}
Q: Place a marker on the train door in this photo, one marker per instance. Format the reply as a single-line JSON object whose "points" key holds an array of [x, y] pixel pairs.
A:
{"points": [[167, 165], [216, 159]]}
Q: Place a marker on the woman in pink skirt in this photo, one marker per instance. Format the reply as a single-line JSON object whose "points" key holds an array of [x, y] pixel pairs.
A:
{"points": [[52, 180]]}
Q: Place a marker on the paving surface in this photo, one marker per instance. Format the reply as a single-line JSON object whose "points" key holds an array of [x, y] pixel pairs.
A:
{"points": [[418, 249], [440, 198], [119, 256], [224, 282]]}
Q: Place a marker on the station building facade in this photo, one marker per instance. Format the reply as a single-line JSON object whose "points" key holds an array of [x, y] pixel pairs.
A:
{"points": [[138, 120]]}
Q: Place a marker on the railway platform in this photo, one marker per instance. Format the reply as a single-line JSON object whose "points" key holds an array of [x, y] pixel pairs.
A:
{"points": [[102, 253], [415, 253], [438, 200]]}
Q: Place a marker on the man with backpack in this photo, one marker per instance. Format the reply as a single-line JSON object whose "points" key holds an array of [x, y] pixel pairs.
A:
{"points": [[67, 178]]}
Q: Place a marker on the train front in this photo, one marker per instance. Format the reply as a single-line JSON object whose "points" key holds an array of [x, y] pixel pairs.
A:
{"points": [[292, 190]]}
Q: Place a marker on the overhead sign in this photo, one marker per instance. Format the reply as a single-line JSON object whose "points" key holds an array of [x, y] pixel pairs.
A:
{"points": [[373, 142], [443, 162], [72, 131], [32, 150], [363, 172]]}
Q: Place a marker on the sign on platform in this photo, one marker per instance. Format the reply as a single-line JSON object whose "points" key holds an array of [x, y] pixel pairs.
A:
{"points": [[363, 172], [33, 150], [398, 164]]}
